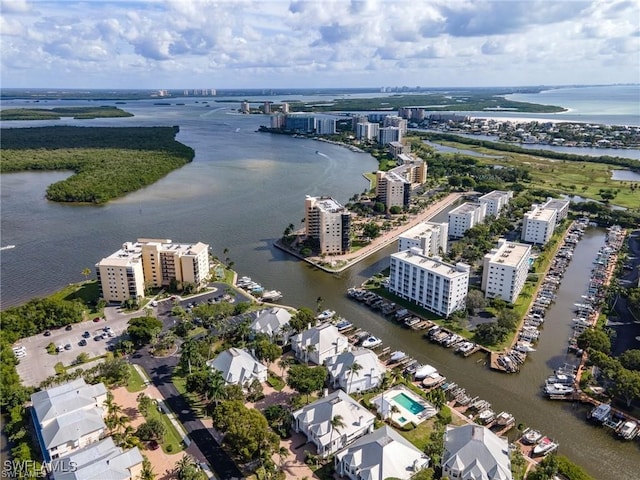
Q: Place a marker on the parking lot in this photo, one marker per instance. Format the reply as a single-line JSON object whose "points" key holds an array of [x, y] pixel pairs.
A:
{"points": [[37, 364]]}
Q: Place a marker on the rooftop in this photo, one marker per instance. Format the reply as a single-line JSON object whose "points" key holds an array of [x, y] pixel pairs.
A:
{"points": [[433, 264], [541, 214], [467, 207], [509, 253]]}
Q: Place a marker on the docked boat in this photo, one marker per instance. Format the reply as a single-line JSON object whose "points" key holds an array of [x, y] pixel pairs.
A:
{"points": [[486, 416], [271, 295], [433, 380], [411, 321], [505, 418], [557, 389], [524, 347], [545, 446], [326, 315], [600, 413], [371, 342], [423, 371], [530, 437], [563, 378], [465, 347], [397, 356], [629, 430], [343, 325]]}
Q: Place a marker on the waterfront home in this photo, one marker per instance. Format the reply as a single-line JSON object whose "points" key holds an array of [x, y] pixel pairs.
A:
{"points": [[333, 422], [317, 344], [68, 417], [379, 455], [473, 452], [355, 371], [238, 367], [99, 460], [273, 322]]}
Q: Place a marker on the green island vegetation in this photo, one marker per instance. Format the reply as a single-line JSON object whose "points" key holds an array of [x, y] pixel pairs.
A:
{"points": [[107, 162], [58, 112]]}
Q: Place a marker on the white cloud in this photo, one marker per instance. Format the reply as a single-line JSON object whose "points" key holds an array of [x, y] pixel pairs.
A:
{"points": [[183, 43]]}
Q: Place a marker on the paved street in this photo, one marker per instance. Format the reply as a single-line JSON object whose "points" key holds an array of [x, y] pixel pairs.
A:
{"points": [[627, 327]]}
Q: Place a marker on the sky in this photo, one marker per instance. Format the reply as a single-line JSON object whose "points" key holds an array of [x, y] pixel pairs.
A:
{"points": [[177, 44]]}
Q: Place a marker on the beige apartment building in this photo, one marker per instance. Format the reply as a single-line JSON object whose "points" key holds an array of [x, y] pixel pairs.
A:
{"points": [[151, 262], [328, 222]]}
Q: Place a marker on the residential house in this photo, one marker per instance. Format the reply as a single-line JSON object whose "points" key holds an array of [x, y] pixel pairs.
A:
{"points": [[319, 422], [473, 452], [99, 461], [367, 374], [380, 455], [238, 367], [68, 417], [317, 344], [273, 322]]}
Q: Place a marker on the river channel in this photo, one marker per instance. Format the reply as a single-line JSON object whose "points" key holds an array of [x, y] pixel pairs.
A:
{"points": [[240, 193]]}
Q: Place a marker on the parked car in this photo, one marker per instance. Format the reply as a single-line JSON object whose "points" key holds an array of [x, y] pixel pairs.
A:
{"points": [[47, 333], [86, 334], [97, 319], [68, 327], [67, 346], [82, 342]]}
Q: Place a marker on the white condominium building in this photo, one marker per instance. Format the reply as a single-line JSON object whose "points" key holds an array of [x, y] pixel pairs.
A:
{"points": [[387, 135], [328, 222], [464, 217], [325, 126], [538, 225], [155, 262], [430, 238], [560, 206], [429, 282], [505, 270], [395, 121], [367, 131], [496, 201], [392, 189]]}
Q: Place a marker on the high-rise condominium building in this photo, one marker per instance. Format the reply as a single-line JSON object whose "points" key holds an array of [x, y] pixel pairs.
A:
{"points": [[387, 135], [367, 131], [392, 189], [505, 270], [429, 282], [430, 238], [496, 201], [464, 217], [154, 262], [560, 206], [538, 225], [328, 222]]}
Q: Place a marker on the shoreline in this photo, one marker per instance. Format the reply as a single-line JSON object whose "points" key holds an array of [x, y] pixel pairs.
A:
{"points": [[379, 243]]}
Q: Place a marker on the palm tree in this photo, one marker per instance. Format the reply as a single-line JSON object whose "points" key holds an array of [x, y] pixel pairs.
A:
{"points": [[353, 370], [337, 424], [216, 386], [86, 272], [307, 351], [185, 468], [147, 472], [113, 412], [283, 453]]}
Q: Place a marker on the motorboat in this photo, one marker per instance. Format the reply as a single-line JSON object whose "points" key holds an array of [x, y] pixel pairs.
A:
{"points": [[486, 416], [600, 413], [326, 315], [343, 325], [504, 419], [563, 378], [465, 347], [524, 347], [629, 430], [531, 437], [397, 356], [371, 342], [411, 321], [423, 371], [544, 446], [558, 389], [271, 295], [433, 380]]}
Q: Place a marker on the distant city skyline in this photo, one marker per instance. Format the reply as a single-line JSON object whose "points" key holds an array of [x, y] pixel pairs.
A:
{"points": [[250, 44]]}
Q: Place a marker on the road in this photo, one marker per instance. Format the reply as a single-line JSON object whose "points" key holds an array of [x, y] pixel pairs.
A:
{"points": [[204, 446], [627, 328]]}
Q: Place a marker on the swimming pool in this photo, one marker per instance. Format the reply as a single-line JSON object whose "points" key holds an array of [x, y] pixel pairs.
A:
{"points": [[409, 403]]}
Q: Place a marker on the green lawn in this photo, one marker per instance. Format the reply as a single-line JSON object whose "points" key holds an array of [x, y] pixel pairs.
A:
{"points": [[172, 440], [87, 291], [197, 403], [135, 383]]}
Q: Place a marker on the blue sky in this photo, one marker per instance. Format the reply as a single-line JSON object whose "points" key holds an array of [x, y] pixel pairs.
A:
{"points": [[170, 44]]}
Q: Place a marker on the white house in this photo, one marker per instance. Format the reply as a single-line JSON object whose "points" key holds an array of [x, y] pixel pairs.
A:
{"points": [[473, 452], [238, 367], [379, 455], [369, 374], [315, 421], [273, 322], [99, 460], [317, 344], [68, 417]]}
